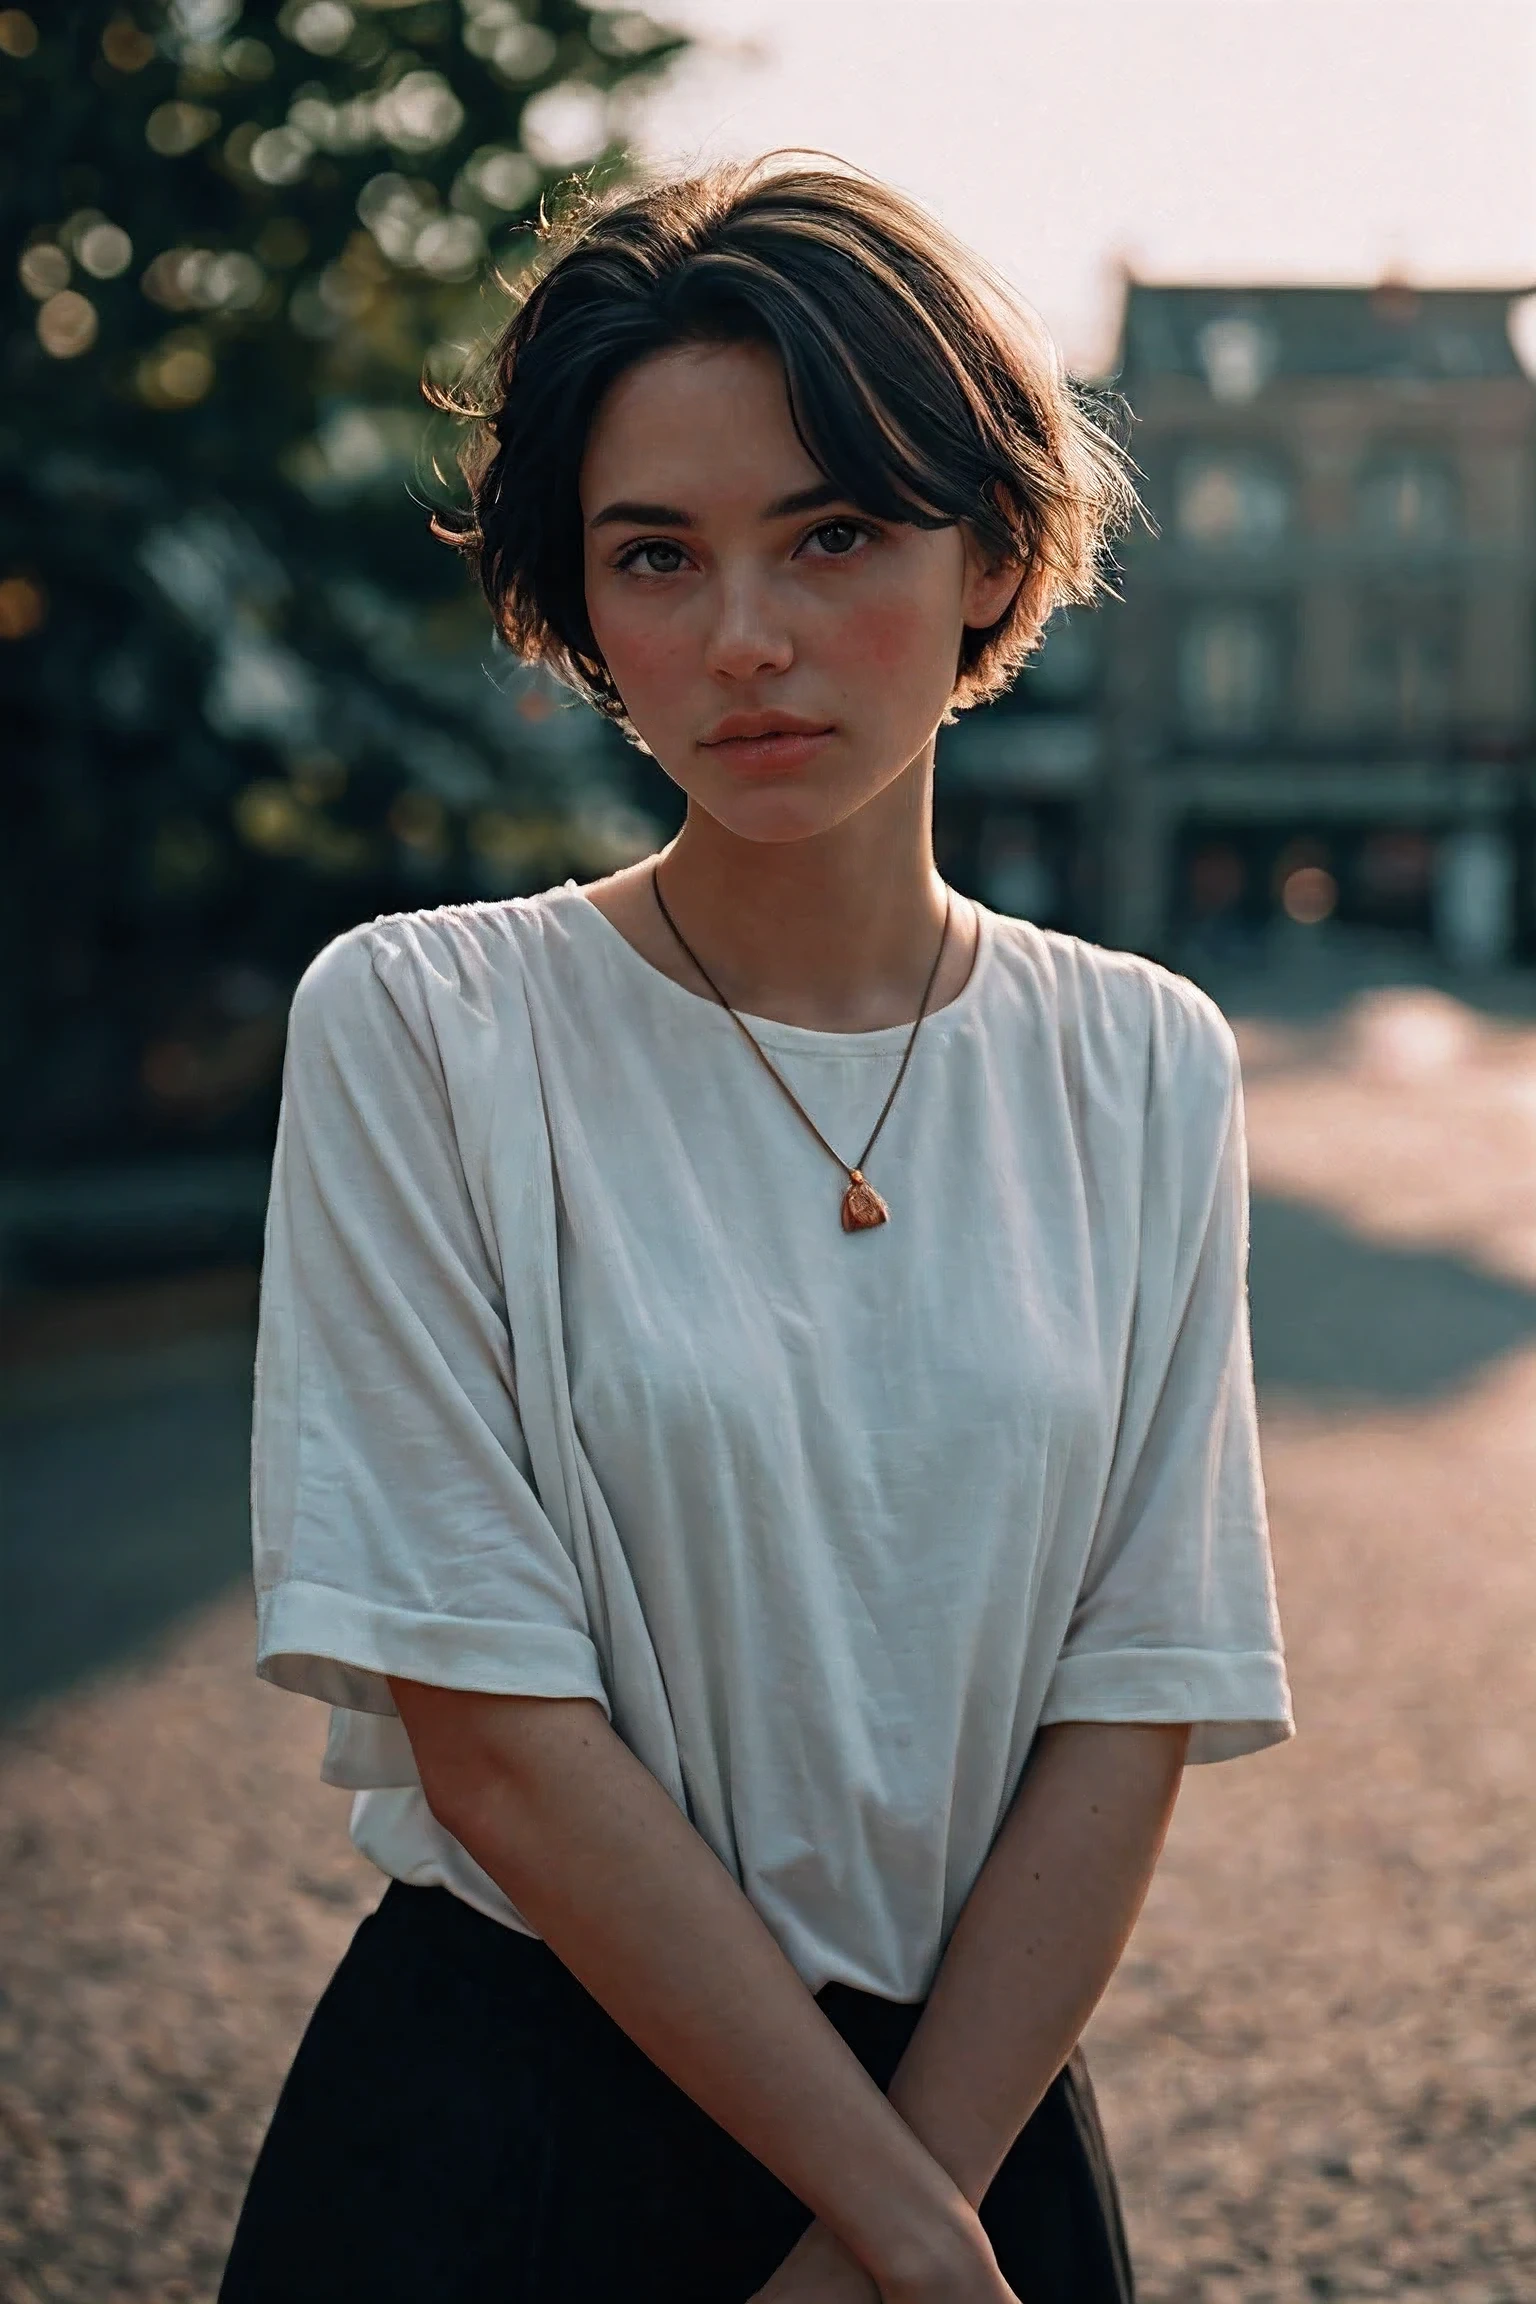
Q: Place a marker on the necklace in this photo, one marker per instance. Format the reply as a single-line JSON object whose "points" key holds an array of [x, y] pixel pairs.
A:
{"points": [[862, 1204]]}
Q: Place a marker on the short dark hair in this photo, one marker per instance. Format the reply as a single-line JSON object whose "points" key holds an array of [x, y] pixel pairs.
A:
{"points": [[916, 383]]}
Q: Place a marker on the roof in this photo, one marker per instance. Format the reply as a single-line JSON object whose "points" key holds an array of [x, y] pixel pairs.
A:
{"points": [[1237, 338]]}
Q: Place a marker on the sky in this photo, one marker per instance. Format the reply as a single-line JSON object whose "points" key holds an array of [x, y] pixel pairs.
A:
{"points": [[1214, 140]]}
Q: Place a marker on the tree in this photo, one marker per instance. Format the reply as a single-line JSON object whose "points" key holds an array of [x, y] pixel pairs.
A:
{"points": [[252, 699]]}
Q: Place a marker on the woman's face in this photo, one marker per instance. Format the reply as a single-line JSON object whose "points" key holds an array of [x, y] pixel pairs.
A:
{"points": [[783, 655]]}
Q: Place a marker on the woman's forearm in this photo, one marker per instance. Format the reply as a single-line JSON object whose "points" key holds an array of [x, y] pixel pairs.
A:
{"points": [[597, 1857], [1038, 1939]]}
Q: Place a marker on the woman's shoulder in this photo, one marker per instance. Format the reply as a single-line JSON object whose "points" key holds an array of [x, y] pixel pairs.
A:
{"points": [[1119, 1017], [421, 968]]}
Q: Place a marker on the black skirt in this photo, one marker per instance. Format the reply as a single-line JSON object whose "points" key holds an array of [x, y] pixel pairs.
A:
{"points": [[463, 2124]]}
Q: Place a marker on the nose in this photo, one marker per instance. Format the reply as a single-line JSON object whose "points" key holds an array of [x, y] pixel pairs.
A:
{"points": [[748, 633]]}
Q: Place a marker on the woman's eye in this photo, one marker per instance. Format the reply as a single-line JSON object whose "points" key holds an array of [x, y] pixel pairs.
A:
{"points": [[838, 538], [653, 556]]}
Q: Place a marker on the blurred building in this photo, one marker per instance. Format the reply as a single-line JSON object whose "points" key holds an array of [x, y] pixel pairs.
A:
{"points": [[1315, 699]]}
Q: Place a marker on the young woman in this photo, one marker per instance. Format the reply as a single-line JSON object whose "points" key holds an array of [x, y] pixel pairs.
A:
{"points": [[755, 1430]]}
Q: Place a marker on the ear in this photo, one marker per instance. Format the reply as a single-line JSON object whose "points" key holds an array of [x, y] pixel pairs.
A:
{"points": [[990, 586]]}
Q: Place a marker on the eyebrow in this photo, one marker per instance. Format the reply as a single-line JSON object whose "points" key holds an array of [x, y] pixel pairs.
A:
{"points": [[628, 513]]}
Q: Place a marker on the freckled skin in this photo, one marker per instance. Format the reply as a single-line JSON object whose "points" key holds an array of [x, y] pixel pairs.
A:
{"points": [[884, 638], [852, 624]]}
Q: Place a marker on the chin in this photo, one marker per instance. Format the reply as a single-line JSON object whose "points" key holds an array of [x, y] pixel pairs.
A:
{"points": [[777, 809], [775, 817]]}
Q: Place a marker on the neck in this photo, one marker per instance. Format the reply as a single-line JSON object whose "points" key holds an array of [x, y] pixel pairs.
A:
{"points": [[837, 932]]}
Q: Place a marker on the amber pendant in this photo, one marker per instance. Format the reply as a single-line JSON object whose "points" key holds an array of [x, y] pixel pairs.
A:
{"points": [[862, 1205]]}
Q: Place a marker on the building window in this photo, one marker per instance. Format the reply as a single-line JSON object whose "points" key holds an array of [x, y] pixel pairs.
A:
{"points": [[1239, 354], [1407, 666], [1231, 500], [1229, 672], [1409, 500]]}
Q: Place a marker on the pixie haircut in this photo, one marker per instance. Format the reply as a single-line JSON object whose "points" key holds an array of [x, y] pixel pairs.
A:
{"points": [[916, 384]]}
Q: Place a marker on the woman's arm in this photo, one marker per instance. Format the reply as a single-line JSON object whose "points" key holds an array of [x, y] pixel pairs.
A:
{"points": [[557, 1809], [1039, 1939]]}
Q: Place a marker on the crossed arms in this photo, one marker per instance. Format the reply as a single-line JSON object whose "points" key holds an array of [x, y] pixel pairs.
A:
{"points": [[600, 1860]]}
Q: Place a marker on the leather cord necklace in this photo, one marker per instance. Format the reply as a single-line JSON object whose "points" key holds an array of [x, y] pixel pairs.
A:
{"points": [[862, 1204]]}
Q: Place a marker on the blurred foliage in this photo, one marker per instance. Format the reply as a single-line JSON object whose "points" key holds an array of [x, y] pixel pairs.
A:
{"points": [[250, 699]]}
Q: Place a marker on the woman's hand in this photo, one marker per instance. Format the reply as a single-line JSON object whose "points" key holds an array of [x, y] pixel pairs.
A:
{"points": [[820, 2270]]}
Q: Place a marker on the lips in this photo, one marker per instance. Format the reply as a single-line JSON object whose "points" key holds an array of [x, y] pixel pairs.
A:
{"points": [[766, 742], [781, 752], [754, 727]]}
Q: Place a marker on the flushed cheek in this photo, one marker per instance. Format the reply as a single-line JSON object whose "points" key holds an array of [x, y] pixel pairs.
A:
{"points": [[881, 641], [644, 658]]}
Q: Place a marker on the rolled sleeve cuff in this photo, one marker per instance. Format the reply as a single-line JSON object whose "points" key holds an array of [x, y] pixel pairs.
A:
{"points": [[1235, 1704], [339, 1648]]}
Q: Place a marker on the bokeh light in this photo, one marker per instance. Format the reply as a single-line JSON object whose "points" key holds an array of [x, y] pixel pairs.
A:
{"points": [[627, 32], [323, 27], [44, 269], [18, 33], [280, 156], [1309, 895], [419, 113], [567, 125], [501, 177], [248, 59], [495, 30], [104, 250], [231, 281], [200, 279], [125, 47], [178, 373], [67, 325], [23, 607], [269, 816], [176, 128], [450, 247]]}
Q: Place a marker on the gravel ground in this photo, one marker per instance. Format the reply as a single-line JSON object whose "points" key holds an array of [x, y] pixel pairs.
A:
{"points": [[1316, 2063]]}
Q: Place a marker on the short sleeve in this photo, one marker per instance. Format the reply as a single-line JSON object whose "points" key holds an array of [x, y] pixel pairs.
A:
{"points": [[395, 1526], [1176, 1617]]}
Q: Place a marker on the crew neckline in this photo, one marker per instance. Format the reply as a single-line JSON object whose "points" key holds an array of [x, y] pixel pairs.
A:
{"points": [[771, 1030]]}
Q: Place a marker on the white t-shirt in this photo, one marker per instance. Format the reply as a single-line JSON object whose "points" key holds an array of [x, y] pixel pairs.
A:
{"points": [[571, 1384]]}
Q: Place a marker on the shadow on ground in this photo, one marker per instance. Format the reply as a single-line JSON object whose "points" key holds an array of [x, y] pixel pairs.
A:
{"points": [[125, 1506], [125, 1473], [1342, 1321]]}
